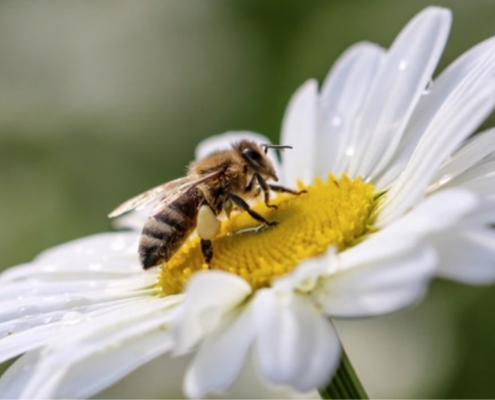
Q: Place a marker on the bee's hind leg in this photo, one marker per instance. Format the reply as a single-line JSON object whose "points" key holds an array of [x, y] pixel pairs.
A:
{"points": [[207, 226], [207, 250]]}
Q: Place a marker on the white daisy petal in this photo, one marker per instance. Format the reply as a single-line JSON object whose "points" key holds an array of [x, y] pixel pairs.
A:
{"points": [[305, 276], [38, 306], [14, 380], [407, 68], [103, 255], [378, 287], [160, 378], [443, 135], [209, 296], [482, 187], [467, 255], [436, 213], [341, 98], [483, 173], [102, 370], [93, 350], [295, 344], [221, 356], [471, 153], [225, 140], [252, 384], [42, 296], [483, 216], [27, 340], [450, 89], [299, 127], [93, 247], [29, 332]]}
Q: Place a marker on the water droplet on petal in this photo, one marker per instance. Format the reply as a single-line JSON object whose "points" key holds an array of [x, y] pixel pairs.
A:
{"points": [[349, 152], [95, 267], [76, 301], [336, 121], [332, 117], [28, 310], [402, 65], [71, 318]]}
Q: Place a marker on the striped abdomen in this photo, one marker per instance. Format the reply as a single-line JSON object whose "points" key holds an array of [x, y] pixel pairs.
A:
{"points": [[165, 232]]}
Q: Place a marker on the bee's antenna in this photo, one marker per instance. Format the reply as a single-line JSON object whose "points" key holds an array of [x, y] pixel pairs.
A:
{"points": [[265, 147]]}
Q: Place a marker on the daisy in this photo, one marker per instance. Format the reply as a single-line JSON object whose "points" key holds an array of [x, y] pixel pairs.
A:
{"points": [[396, 195]]}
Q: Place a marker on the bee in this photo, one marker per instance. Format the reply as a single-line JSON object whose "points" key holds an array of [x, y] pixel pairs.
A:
{"points": [[216, 184]]}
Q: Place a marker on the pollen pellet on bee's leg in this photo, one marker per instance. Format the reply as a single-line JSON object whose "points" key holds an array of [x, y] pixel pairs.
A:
{"points": [[207, 225]]}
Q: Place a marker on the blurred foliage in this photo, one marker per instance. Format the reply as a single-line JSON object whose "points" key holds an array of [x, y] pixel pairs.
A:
{"points": [[102, 100]]}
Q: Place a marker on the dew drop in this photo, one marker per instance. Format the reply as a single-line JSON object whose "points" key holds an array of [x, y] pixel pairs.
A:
{"points": [[332, 116], [76, 301], [336, 120], [92, 284], [28, 310], [349, 152], [402, 65], [95, 267], [71, 318]]}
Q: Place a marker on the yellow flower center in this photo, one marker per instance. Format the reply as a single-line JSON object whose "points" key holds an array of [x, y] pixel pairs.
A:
{"points": [[332, 213]]}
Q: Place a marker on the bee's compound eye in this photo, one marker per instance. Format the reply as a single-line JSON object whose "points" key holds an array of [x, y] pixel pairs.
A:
{"points": [[252, 154]]}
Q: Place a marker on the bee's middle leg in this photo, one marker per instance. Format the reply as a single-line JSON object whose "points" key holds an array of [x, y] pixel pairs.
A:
{"points": [[245, 206], [266, 191]]}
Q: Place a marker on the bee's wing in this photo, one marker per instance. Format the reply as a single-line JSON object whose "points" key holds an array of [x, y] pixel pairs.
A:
{"points": [[182, 191], [144, 199]]}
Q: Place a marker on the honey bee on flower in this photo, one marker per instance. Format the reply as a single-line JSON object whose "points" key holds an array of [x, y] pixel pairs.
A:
{"points": [[396, 192]]}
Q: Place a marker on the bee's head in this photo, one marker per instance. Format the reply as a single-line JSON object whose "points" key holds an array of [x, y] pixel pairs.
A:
{"points": [[257, 159]]}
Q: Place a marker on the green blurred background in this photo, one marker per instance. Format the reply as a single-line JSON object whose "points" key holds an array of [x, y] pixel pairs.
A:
{"points": [[100, 100]]}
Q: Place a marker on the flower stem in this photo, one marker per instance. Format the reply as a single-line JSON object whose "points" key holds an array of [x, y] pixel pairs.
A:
{"points": [[345, 383]]}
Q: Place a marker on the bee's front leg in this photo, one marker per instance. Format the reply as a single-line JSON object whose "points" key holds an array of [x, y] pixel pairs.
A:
{"points": [[277, 188], [245, 206], [263, 186]]}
